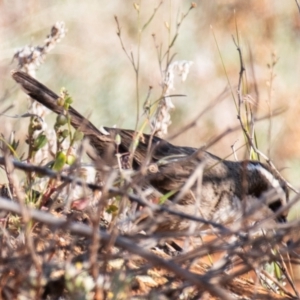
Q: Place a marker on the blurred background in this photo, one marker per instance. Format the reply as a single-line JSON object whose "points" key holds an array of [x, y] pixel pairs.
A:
{"points": [[91, 64]]}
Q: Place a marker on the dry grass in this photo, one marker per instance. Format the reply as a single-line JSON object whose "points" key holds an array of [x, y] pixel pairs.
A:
{"points": [[61, 252]]}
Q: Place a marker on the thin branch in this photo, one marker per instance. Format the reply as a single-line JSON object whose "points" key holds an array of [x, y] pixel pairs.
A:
{"points": [[112, 191], [194, 122], [122, 242], [298, 5], [276, 282], [122, 44]]}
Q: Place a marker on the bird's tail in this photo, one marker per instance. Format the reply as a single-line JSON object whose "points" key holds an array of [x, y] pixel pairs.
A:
{"points": [[101, 141], [46, 97]]}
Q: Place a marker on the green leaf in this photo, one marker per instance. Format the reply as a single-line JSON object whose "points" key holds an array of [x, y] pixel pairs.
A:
{"points": [[112, 209], [40, 142], [69, 100], [166, 196], [60, 161]]}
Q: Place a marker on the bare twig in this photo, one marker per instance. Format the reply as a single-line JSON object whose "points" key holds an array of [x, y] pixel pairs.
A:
{"points": [[84, 230], [194, 122], [112, 191], [298, 5], [269, 102], [276, 282]]}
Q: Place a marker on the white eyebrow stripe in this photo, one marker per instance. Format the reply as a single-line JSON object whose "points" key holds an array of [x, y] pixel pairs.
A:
{"points": [[270, 177]]}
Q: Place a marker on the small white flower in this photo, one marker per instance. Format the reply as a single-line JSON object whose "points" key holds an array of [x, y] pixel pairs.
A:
{"points": [[179, 67], [183, 68]]}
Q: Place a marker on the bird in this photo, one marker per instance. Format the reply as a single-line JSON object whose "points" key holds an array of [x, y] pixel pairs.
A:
{"points": [[225, 184]]}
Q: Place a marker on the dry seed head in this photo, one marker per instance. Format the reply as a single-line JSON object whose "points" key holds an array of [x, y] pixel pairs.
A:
{"points": [[30, 58], [180, 68], [162, 118]]}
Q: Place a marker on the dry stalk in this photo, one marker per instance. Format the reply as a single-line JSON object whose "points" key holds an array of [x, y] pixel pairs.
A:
{"points": [[249, 138]]}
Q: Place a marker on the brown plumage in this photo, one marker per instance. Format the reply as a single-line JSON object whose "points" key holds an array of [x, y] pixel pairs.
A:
{"points": [[224, 184]]}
